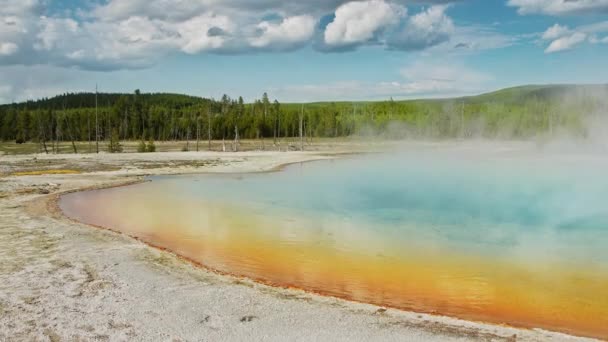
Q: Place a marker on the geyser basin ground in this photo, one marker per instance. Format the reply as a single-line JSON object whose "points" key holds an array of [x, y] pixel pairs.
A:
{"points": [[507, 237]]}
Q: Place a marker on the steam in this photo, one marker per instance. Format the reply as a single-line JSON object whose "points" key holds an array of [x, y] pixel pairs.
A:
{"points": [[547, 115]]}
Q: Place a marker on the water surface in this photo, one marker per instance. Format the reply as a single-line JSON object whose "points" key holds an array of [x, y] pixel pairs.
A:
{"points": [[500, 236]]}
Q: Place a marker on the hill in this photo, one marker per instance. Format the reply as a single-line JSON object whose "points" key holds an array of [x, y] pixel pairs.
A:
{"points": [[518, 112]]}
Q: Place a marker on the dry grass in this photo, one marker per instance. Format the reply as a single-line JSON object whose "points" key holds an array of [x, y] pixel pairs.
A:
{"points": [[11, 148], [45, 172]]}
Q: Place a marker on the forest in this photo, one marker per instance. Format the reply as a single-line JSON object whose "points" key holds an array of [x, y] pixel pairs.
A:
{"points": [[513, 113]]}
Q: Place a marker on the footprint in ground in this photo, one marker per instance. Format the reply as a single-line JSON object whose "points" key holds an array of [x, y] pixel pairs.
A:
{"points": [[246, 319]]}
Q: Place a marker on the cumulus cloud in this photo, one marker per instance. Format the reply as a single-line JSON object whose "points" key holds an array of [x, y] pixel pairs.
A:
{"points": [[555, 31], [288, 34], [562, 38], [184, 9], [7, 49], [33, 82], [359, 22], [425, 29], [28, 36], [118, 34], [380, 23], [566, 43], [17, 21], [559, 7], [202, 33]]}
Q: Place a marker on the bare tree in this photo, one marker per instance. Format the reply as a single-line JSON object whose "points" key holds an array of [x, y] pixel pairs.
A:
{"points": [[69, 129], [55, 133], [188, 132], [462, 131], [209, 126], [42, 134], [89, 129], [236, 138], [198, 130], [96, 124], [302, 129]]}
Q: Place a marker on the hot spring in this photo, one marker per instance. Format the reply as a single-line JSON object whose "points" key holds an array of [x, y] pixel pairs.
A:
{"points": [[496, 235]]}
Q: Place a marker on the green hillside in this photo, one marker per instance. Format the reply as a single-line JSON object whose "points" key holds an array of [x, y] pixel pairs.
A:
{"points": [[519, 112]]}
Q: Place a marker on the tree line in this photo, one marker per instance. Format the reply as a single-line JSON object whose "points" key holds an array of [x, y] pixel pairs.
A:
{"points": [[173, 117]]}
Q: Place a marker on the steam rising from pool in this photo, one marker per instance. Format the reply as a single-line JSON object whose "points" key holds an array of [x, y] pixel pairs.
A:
{"points": [[501, 233]]}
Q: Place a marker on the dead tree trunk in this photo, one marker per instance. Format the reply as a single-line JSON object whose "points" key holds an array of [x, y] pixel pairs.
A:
{"points": [[462, 130], [209, 128], [188, 138], [96, 124], [274, 131], [69, 128], [236, 138], [198, 129], [302, 129], [89, 129], [55, 134], [42, 135], [279, 129]]}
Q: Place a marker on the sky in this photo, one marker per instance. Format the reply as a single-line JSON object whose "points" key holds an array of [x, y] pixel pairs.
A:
{"points": [[296, 51]]}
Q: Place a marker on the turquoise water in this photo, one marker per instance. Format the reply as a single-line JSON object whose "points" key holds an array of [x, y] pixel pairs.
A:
{"points": [[464, 201]]}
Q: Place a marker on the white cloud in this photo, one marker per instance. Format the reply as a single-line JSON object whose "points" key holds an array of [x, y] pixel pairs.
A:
{"points": [[117, 34], [442, 78], [474, 38], [203, 33], [559, 7], [428, 79], [17, 7], [53, 31], [5, 93], [380, 23], [563, 38], [598, 27], [425, 29], [289, 33], [17, 21], [185, 9], [566, 42], [360, 21], [596, 40], [115, 42], [555, 31], [7, 49], [33, 82]]}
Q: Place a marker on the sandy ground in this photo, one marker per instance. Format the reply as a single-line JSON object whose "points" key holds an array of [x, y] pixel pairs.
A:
{"points": [[63, 281]]}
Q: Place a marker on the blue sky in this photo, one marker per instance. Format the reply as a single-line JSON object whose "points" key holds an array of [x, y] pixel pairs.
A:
{"points": [[316, 50]]}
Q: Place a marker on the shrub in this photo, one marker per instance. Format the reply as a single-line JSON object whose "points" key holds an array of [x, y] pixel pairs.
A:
{"points": [[141, 148], [151, 147], [114, 146]]}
